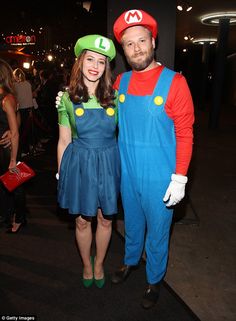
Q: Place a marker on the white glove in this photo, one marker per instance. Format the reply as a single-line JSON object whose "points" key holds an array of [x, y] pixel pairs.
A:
{"points": [[58, 98], [176, 190]]}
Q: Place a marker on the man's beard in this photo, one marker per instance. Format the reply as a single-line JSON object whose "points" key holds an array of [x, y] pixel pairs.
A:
{"points": [[139, 66]]}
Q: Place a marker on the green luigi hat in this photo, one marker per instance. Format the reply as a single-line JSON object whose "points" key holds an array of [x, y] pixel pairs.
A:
{"points": [[96, 43]]}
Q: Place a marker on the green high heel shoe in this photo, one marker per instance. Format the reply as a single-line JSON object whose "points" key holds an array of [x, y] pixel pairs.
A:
{"points": [[100, 282], [88, 282]]}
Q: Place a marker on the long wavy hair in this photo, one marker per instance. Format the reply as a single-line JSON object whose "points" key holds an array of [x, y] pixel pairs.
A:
{"points": [[6, 78], [78, 91], [19, 75]]}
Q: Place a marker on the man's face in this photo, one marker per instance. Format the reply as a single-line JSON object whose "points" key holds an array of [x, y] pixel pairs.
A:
{"points": [[138, 46]]}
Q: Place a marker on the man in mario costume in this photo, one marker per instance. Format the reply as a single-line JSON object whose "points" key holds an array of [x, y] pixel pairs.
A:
{"points": [[156, 118]]}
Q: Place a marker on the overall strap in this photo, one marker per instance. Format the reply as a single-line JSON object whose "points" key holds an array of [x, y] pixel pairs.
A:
{"points": [[163, 85], [124, 82]]}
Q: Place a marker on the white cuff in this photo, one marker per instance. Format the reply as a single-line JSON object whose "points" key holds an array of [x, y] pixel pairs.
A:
{"points": [[179, 178]]}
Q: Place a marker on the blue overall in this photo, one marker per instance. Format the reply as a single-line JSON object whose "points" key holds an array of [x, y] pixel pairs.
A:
{"points": [[148, 157], [90, 166]]}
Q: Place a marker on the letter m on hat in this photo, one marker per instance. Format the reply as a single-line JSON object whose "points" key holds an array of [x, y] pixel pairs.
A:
{"points": [[133, 16]]}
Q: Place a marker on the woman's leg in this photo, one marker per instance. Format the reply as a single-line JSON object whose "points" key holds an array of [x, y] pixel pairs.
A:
{"points": [[83, 235], [103, 236], [6, 198], [19, 208], [6, 206]]}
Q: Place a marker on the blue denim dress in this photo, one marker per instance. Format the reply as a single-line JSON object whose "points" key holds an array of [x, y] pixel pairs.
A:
{"points": [[90, 166]]}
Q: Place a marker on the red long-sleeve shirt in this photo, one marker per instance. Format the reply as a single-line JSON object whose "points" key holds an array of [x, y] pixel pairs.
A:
{"points": [[179, 107]]}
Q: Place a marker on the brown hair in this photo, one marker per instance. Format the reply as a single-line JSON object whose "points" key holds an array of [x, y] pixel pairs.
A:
{"points": [[19, 75], [6, 77], [78, 91]]}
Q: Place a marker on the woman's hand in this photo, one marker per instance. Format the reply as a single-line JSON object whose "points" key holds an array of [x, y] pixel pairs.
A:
{"points": [[5, 140], [12, 166]]}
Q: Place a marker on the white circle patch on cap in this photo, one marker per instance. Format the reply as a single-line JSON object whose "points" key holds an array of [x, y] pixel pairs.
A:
{"points": [[102, 43], [132, 16]]}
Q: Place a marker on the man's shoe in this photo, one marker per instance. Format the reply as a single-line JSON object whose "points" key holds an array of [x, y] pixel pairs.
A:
{"points": [[151, 295], [121, 275]]}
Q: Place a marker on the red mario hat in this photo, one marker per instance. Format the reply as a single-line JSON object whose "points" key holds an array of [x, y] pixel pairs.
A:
{"points": [[132, 18]]}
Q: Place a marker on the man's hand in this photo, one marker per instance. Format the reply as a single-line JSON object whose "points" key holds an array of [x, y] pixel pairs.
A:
{"points": [[58, 98], [176, 190], [5, 140]]}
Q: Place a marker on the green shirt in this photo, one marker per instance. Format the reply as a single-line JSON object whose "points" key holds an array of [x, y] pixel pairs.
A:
{"points": [[66, 115]]}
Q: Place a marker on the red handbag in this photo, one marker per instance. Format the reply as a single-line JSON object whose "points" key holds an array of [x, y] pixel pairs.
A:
{"points": [[12, 180]]}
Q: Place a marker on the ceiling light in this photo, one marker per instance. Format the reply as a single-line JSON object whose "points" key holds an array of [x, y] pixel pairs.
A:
{"points": [[184, 6], [50, 57], [26, 65], [188, 37], [201, 41], [214, 18]]}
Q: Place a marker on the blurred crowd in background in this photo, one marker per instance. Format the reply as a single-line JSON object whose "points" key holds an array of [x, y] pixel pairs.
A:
{"points": [[36, 91]]}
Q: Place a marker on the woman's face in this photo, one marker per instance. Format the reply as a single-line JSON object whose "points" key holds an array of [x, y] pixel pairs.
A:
{"points": [[94, 65]]}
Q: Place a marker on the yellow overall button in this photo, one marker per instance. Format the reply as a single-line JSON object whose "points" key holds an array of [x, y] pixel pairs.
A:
{"points": [[79, 112], [122, 98], [110, 111], [158, 100]]}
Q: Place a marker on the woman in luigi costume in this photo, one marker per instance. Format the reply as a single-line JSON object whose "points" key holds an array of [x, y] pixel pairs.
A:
{"points": [[88, 157]]}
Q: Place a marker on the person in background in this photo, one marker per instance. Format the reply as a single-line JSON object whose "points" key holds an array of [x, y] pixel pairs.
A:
{"points": [[35, 81], [12, 204], [88, 157], [156, 118], [24, 97], [46, 94]]}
